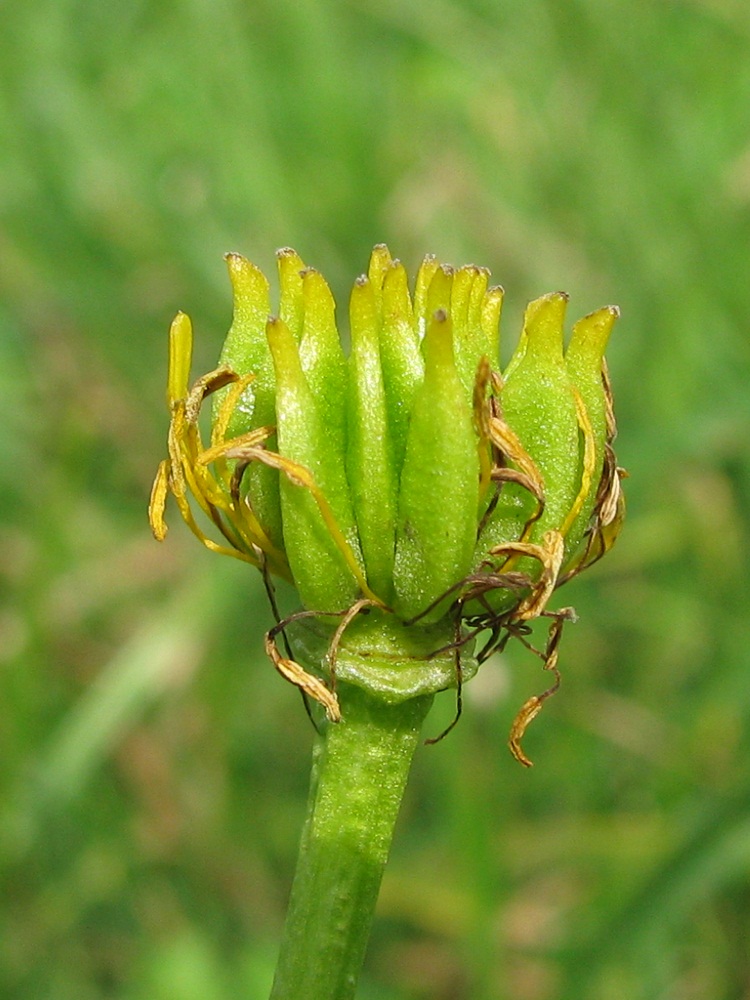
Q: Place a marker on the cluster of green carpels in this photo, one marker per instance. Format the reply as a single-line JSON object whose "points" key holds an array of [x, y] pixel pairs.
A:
{"points": [[413, 476], [412, 471]]}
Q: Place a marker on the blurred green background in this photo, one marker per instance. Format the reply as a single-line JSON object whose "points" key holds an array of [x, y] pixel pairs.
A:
{"points": [[153, 767]]}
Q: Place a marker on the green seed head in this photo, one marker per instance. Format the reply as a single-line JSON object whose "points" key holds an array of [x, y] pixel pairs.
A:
{"points": [[408, 471], [413, 475]]}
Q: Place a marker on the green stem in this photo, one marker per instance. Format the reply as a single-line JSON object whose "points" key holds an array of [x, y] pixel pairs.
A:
{"points": [[360, 767]]}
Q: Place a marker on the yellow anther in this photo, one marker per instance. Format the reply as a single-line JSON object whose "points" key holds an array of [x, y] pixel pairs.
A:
{"points": [[180, 358]]}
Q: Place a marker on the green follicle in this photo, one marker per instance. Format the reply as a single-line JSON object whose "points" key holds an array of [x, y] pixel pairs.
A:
{"points": [[439, 484], [490, 309], [366, 480], [425, 274], [467, 336], [376, 472], [369, 454], [400, 357], [380, 263], [476, 315], [463, 282], [246, 351], [584, 361], [290, 267], [539, 406], [318, 565], [543, 326], [321, 355], [478, 297], [439, 293]]}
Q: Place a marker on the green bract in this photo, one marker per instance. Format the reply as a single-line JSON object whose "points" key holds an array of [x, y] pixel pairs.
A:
{"points": [[412, 477]]}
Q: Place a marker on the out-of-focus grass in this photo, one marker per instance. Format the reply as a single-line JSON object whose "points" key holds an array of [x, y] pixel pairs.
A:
{"points": [[152, 765]]}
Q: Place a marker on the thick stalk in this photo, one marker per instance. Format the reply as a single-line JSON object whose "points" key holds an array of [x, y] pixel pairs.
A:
{"points": [[360, 767]]}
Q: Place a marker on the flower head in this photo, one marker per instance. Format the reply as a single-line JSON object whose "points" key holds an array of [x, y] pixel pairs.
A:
{"points": [[413, 476]]}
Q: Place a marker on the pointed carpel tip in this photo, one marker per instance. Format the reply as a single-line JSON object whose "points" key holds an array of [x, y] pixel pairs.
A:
{"points": [[361, 305], [396, 300], [317, 296], [181, 322], [543, 323], [236, 264], [603, 318], [290, 266], [245, 276], [428, 262], [591, 335], [439, 286], [380, 260], [394, 268], [281, 344], [312, 280], [476, 277], [606, 317], [552, 300], [379, 265], [545, 307]]}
